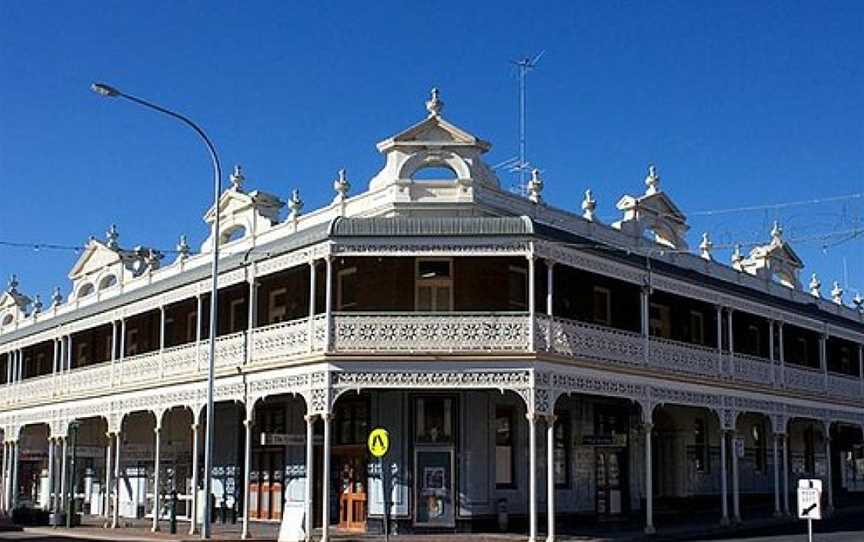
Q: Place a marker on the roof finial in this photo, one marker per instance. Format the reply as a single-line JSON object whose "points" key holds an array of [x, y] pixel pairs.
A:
{"points": [[56, 297], [237, 178], [776, 232], [37, 304], [341, 185], [13, 284], [589, 204], [837, 293], [535, 187], [858, 301], [815, 285], [737, 257], [183, 248], [435, 105], [295, 204], [705, 247], [652, 181], [111, 236]]}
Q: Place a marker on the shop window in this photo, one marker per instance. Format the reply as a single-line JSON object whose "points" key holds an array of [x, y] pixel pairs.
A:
{"points": [[504, 438], [277, 305], [760, 461], [352, 422], [434, 285], [517, 288], [346, 289], [562, 451], [659, 321], [697, 327], [434, 420], [809, 451], [754, 340], [602, 306], [700, 447]]}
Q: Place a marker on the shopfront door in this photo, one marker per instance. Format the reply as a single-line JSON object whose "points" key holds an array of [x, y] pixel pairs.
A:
{"points": [[351, 462], [610, 475]]}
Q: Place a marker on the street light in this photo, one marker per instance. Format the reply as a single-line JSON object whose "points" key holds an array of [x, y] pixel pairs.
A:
{"points": [[110, 92]]}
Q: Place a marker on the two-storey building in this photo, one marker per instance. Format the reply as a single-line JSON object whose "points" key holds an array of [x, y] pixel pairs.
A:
{"points": [[531, 364]]}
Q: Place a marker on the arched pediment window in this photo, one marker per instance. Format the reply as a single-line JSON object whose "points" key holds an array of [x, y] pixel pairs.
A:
{"points": [[86, 290], [107, 282]]}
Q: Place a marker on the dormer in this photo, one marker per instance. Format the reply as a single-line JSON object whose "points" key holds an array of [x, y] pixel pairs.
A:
{"points": [[774, 261], [242, 214], [13, 305], [653, 213], [433, 144]]}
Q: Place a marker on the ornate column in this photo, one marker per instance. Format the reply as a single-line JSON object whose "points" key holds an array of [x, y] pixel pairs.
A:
{"points": [[730, 330], [736, 495], [550, 477], [115, 517], [532, 303], [252, 317], [328, 303], [325, 480], [50, 473], [198, 318], [786, 473], [782, 355], [532, 476], [193, 503], [777, 512], [113, 341], [648, 429], [823, 356], [55, 360], [645, 321], [247, 467], [771, 351], [724, 520], [14, 476], [161, 341], [109, 437], [829, 482], [550, 287], [157, 434], [69, 354], [310, 460], [122, 352], [63, 468], [312, 289], [3, 466]]}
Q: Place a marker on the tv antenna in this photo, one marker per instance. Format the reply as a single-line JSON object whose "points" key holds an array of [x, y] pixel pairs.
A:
{"points": [[525, 65]]}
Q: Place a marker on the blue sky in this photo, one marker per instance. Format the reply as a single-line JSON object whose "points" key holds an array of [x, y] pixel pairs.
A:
{"points": [[738, 103]]}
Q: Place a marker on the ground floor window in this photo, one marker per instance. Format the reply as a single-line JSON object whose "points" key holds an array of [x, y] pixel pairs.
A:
{"points": [[504, 433]]}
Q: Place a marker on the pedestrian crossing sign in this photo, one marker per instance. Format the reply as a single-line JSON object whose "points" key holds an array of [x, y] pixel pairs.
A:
{"points": [[379, 442]]}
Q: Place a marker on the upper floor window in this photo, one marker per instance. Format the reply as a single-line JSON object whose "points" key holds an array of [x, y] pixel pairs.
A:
{"points": [[800, 350], [517, 288], [845, 365], [602, 306], [434, 285], [346, 288], [192, 326], [754, 340], [277, 306], [697, 327], [132, 342], [659, 321], [238, 315]]}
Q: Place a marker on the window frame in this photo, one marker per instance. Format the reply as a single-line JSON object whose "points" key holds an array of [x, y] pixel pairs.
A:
{"points": [[273, 311], [700, 316], [607, 292], [509, 412], [521, 306], [435, 284], [340, 293]]}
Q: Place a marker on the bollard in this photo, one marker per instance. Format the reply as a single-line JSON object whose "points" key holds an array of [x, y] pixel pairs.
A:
{"points": [[173, 516]]}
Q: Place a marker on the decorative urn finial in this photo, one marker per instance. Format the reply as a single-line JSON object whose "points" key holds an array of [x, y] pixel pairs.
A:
{"points": [[815, 285], [535, 187], [776, 232], [652, 181], [858, 301], [12, 285], [435, 105], [111, 237], [705, 247], [56, 297], [295, 204], [237, 178], [37, 304], [837, 293], [341, 185], [589, 205], [183, 248], [737, 257]]}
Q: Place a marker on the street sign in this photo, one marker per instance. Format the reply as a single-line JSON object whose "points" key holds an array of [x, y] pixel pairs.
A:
{"points": [[809, 503], [379, 442]]}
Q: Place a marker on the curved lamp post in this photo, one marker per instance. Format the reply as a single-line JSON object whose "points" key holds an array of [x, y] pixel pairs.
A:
{"points": [[110, 92]]}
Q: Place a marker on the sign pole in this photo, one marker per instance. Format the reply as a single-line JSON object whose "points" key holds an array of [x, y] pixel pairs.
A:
{"points": [[379, 443], [386, 504]]}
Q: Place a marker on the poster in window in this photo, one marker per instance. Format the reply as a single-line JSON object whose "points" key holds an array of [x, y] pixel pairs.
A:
{"points": [[434, 487]]}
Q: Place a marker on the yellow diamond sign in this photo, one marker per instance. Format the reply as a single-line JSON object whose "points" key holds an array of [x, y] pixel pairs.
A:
{"points": [[379, 442]]}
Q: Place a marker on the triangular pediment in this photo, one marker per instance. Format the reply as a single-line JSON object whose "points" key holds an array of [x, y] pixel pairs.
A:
{"points": [[434, 130], [9, 300], [783, 251], [231, 201], [96, 256], [663, 205]]}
